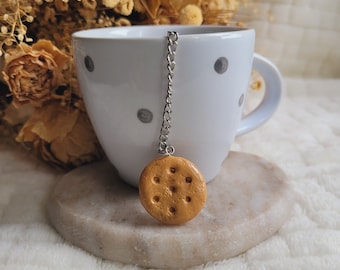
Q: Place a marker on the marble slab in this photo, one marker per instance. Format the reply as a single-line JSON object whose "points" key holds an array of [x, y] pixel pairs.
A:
{"points": [[247, 203]]}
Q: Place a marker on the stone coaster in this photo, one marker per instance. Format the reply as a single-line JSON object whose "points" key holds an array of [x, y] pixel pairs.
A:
{"points": [[247, 202]]}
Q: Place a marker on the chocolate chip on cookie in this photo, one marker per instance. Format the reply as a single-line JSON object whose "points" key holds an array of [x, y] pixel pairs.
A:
{"points": [[172, 190]]}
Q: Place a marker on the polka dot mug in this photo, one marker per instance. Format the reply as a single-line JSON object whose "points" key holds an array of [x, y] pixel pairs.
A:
{"points": [[122, 73]]}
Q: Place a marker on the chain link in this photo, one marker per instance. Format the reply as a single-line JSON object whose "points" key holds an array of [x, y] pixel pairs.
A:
{"points": [[163, 147]]}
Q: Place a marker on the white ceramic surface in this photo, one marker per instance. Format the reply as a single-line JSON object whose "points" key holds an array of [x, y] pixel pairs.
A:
{"points": [[122, 74]]}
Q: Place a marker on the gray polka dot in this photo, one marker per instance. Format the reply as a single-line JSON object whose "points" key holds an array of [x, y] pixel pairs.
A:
{"points": [[241, 100], [221, 65], [89, 63], [144, 115]]}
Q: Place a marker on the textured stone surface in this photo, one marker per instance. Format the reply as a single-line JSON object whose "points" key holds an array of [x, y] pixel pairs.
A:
{"points": [[247, 202]]}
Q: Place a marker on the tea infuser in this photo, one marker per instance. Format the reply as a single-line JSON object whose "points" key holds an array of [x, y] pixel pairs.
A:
{"points": [[171, 188]]}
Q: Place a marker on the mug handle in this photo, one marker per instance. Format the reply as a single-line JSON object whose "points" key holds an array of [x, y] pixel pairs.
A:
{"points": [[271, 99]]}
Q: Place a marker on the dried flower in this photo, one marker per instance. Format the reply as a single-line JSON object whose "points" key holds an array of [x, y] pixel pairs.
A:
{"points": [[122, 22], [62, 136], [190, 14], [89, 4], [14, 14], [110, 3], [139, 6], [124, 7], [219, 11], [150, 8], [33, 73]]}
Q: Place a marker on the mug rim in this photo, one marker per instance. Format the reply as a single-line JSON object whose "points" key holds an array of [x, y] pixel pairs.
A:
{"points": [[123, 32]]}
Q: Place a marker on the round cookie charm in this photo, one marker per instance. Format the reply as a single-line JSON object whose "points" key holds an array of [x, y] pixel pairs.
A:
{"points": [[172, 190]]}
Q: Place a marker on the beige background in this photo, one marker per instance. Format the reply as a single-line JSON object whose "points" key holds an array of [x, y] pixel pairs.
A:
{"points": [[301, 36]]}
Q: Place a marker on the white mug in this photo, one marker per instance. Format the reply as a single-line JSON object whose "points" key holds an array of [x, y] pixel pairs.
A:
{"points": [[123, 78]]}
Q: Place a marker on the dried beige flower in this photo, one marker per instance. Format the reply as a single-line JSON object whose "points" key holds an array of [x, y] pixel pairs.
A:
{"points": [[33, 73], [124, 7], [219, 11], [151, 9], [139, 6], [89, 4], [179, 4], [62, 136], [14, 15], [169, 12], [122, 22], [110, 3], [88, 14], [190, 14]]}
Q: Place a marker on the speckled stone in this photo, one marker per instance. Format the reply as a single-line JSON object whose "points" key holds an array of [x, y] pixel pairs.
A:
{"points": [[247, 202]]}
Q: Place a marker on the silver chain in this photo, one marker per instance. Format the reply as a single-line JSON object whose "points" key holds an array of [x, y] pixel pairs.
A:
{"points": [[164, 147]]}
